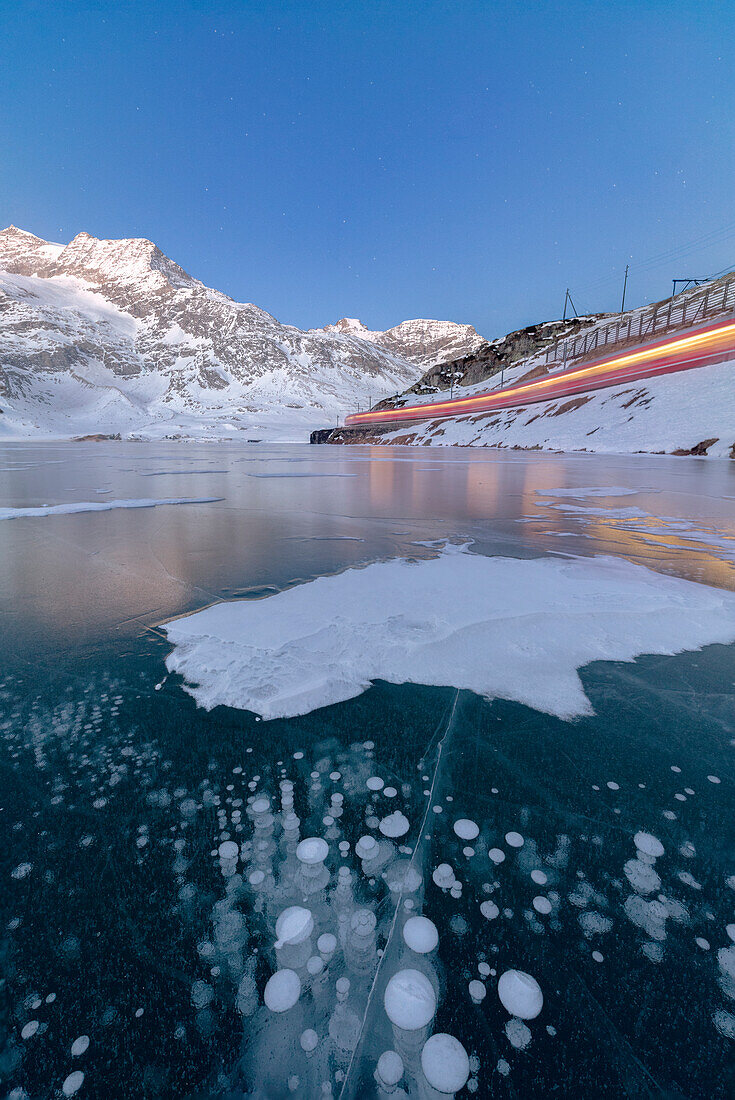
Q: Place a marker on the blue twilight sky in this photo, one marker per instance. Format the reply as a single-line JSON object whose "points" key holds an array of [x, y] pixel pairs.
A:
{"points": [[461, 159]]}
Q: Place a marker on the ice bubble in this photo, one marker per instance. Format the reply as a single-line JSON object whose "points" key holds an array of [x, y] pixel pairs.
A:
{"points": [[402, 876], [294, 925], [542, 904], [202, 994], [641, 876], [466, 829], [598, 956], [730, 929], [519, 1036], [497, 855], [539, 878], [30, 1029], [375, 783], [313, 850], [420, 934], [390, 1068], [714, 779], [309, 1040], [443, 876], [315, 965], [409, 999], [394, 825], [229, 849], [468, 852], [390, 792], [73, 1083], [282, 990], [327, 944], [366, 847], [477, 991], [648, 844], [79, 1046], [489, 910], [445, 1063], [725, 1023], [520, 994], [514, 840], [613, 786]]}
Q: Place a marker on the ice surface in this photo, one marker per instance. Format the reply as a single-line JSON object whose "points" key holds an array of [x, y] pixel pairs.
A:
{"points": [[593, 491], [517, 629]]}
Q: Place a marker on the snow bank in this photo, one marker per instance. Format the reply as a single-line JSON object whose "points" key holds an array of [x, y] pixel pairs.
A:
{"points": [[502, 627], [97, 506]]}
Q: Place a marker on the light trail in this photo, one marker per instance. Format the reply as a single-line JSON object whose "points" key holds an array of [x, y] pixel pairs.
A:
{"points": [[697, 349]]}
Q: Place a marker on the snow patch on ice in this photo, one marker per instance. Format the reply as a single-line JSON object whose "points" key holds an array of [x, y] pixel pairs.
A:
{"points": [[97, 506], [502, 627]]}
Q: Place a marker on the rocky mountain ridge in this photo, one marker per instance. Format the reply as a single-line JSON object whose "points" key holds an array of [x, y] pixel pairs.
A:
{"points": [[422, 341], [113, 336]]}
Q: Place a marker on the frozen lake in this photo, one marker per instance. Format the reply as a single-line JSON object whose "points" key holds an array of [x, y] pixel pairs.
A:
{"points": [[575, 825]]}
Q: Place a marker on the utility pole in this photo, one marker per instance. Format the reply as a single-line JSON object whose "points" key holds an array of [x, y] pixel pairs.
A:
{"points": [[625, 283], [568, 298]]}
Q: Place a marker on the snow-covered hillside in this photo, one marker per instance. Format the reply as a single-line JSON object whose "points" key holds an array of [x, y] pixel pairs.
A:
{"points": [[114, 337], [693, 411], [421, 341], [689, 412]]}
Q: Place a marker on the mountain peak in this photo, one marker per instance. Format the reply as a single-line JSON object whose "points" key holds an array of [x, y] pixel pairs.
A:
{"points": [[126, 261], [14, 231]]}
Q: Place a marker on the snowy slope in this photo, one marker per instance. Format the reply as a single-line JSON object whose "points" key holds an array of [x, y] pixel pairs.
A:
{"points": [[677, 412], [114, 337], [423, 342]]}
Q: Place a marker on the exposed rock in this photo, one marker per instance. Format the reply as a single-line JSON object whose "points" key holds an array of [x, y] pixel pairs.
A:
{"points": [[698, 448], [492, 357]]}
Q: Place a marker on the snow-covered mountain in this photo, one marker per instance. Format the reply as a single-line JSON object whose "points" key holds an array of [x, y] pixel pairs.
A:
{"points": [[420, 341], [111, 336]]}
